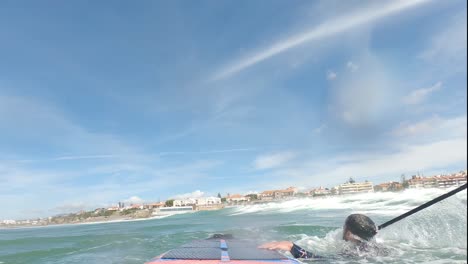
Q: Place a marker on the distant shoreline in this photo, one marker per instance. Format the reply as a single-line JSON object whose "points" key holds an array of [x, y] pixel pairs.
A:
{"points": [[81, 223], [137, 216]]}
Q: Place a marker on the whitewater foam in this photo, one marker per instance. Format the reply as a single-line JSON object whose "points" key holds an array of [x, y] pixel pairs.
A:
{"points": [[386, 203], [441, 228]]}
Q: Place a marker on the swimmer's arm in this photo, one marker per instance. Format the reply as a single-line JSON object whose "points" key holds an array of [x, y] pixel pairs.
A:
{"points": [[299, 252], [295, 250]]}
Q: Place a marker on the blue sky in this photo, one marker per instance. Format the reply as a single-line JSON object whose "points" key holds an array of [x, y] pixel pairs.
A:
{"points": [[103, 102]]}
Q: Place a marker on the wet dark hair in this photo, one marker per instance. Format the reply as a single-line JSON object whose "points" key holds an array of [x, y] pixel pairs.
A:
{"points": [[361, 226]]}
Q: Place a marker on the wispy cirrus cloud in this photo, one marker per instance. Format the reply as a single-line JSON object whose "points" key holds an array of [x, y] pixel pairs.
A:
{"points": [[214, 151], [430, 145], [417, 128], [419, 95], [134, 200], [37, 122], [65, 208], [60, 184], [62, 188], [352, 66], [273, 160], [320, 129], [194, 194], [448, 45], [324, 30], [434, 127], [363, 98], [409, 159], [84, 157], [331, 75], [67, 158]]}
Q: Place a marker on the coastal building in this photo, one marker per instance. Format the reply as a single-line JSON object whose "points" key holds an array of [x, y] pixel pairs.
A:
{"points": [[289, 192], [236, 198], [417, 182], [197, 201], [136, 206], [208, 200], [164, 211], [438, 181], [208, 203], [154, 205], [278, 194], [450, 181], [334, 190], [355, 187], [252, 196], [321, 191], [185, 202], [388, 187], [267, 195]]}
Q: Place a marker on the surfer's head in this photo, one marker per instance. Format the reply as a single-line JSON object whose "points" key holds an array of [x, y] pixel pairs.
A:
{"points": [[359, 228]]}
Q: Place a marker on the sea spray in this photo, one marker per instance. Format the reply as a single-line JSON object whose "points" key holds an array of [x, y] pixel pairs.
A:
{"points": [[386, 203], [442, 225], [441, 228]]}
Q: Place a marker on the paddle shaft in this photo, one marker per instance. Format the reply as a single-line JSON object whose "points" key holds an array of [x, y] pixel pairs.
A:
{"points": [[423, 206]]}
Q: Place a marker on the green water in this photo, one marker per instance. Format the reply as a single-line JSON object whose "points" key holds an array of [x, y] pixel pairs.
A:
{"points": [[437, 235]]}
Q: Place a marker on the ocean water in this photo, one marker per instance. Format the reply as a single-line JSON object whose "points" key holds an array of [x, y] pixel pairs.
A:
{"points": [[435, 235]]}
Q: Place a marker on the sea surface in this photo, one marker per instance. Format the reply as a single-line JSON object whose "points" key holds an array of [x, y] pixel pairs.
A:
{"points": [[435, 235]]}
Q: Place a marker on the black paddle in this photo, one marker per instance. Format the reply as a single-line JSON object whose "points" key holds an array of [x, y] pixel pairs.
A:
{"points": [[423, 206]]}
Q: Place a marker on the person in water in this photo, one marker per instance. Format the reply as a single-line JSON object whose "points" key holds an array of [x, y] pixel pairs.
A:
{"points": [[357, 228]]}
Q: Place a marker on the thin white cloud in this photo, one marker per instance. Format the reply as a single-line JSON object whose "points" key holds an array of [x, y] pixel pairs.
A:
{"points": [[410, 159], [69, 208], [449, 44], [435, 127], [320, 129], [419, 95], [216, 151], [326, 29], [418, 128], [34, 121], [134, 200], [407, 159], [65, 158], [273, 160], [194, 194], [331, 75], [352, 66], [84, 157], [363, 98], [35, 187], [429, 145]]}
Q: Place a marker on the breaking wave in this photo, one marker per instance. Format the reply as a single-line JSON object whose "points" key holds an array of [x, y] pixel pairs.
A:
{"points": [[378, 203], [441, 228]]}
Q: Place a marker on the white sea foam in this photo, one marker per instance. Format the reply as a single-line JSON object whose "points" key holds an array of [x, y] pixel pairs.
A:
{"points": [[434, 235], [387, 203]]}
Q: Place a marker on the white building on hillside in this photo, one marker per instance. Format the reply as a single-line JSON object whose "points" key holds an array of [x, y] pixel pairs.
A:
{"points": [[185, 202], [356, 187], [321, 191], [208, 200], [197, 201], [237, 198]]}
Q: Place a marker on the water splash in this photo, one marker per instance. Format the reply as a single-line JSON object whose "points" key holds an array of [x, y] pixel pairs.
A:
{"points": [[387, 204], [435, 235]]}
